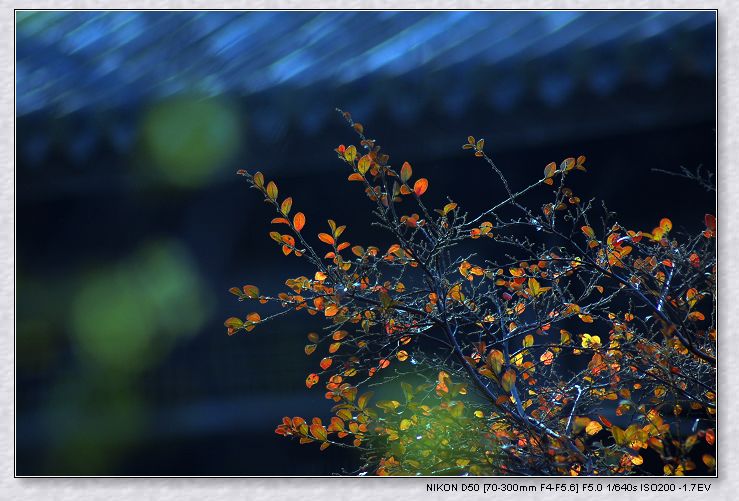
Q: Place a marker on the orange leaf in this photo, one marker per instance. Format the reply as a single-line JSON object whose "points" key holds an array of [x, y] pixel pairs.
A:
{"points": [[354, 176], [326, 238], [696, 315], [339, 335], [710, 436], [326, 363], [586, 318], [331, 310], [420, 186], [299, 221], [547, 357], [442, 385], [318, 431], [311, 380], [508, 380], [593, 428], [588, 232]]}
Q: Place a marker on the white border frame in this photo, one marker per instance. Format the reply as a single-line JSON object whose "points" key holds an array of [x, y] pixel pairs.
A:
{"points": [[725, 486]]}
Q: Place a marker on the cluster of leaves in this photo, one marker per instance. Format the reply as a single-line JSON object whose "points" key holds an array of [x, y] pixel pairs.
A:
{"points": [[563, 345]]}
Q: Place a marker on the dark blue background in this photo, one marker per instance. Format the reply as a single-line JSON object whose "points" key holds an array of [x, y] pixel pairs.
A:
{"points": [[131, 225]]}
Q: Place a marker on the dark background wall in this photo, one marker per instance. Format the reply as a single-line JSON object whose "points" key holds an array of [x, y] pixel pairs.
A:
{"points": [[131, 225]]}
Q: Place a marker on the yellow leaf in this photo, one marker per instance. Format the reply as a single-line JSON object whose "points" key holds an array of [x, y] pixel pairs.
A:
{"points": [[287, 204], [350, 154], [272, 190], [534, 287], [364, 164], [363, 399], [593, 428], [589, 341]]}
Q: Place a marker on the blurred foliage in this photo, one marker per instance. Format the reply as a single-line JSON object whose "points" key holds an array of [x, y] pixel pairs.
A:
{"points": [[128, 315], [189, 139], [91, 421]]}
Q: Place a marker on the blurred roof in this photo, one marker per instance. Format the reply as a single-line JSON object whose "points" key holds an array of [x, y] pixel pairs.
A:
{"points": [[69, 61], [524, 77]]}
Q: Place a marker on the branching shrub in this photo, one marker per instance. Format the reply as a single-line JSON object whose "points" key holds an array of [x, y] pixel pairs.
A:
{"points": [[534, 340]]}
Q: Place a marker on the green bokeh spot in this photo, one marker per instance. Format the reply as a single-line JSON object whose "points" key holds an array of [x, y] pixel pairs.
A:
{"points": [[187, 140], [126, 317]]}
